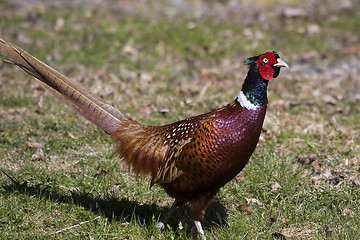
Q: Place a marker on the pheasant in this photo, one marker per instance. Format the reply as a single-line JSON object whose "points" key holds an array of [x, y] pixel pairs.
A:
{"points": [[190, 159]]}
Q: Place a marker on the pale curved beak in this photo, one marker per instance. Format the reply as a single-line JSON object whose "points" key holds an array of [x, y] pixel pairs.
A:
{"points": [[281, 63]]}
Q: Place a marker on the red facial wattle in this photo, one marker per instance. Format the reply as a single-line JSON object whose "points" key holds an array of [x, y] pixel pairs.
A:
{"points": [[265, 63]]}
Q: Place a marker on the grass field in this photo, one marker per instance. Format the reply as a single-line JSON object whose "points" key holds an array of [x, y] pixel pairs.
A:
{"points": [[165, 61]]}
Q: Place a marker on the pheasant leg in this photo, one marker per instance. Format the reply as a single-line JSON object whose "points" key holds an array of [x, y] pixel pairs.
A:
{"points": [[161, 224], [200, 230]]}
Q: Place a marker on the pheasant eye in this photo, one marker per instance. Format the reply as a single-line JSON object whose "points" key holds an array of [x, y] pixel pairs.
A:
{"points": [[265, 60]]}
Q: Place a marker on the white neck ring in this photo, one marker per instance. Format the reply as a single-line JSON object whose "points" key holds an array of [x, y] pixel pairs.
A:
{"points": [[244, 102]]}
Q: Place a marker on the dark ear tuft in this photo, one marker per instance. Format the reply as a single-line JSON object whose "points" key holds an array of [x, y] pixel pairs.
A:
{"points": [[251, 60], [276, 54]]}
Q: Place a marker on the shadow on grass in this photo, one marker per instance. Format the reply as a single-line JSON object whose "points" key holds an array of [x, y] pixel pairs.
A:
{"points": [[111, 207]]}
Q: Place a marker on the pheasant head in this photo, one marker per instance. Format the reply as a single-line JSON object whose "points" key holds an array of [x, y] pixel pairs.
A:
{"points": [[263, 68]]}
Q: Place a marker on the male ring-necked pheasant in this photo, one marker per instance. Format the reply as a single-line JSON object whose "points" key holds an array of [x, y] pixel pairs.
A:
{"points": [[191, 159]]}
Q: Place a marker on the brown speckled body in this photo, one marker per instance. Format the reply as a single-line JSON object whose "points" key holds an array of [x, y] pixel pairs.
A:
{"points": [[222, 143], [193, 158]]}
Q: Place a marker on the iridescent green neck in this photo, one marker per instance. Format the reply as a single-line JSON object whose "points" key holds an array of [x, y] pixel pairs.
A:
{"points": [[255, 87]]}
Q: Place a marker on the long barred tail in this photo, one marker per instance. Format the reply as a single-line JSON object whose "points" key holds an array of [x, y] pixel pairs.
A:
{"points": [[68, 91], [141, 147]]}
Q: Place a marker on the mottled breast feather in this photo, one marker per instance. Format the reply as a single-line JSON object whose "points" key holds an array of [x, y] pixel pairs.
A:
{"points": [[221, 145]]}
